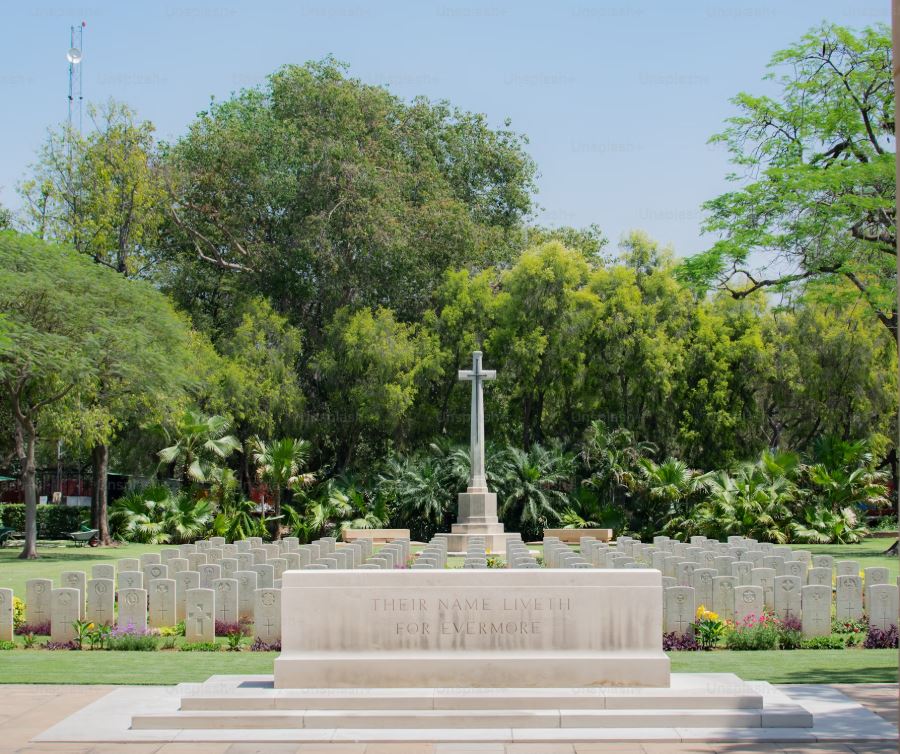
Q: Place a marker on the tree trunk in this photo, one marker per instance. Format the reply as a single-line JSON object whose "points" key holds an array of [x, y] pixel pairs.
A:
{"points": [[276, 512], [29, 551], [100, 458]]}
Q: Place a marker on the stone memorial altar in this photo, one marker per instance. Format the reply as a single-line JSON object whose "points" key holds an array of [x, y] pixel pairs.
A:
{"points": [[471, 628]]}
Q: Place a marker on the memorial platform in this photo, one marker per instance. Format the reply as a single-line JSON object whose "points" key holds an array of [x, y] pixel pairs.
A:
{"points": [[695, 708]]}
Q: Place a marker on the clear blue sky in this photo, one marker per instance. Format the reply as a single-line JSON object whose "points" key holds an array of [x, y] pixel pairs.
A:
{"points": [[618, 97]]}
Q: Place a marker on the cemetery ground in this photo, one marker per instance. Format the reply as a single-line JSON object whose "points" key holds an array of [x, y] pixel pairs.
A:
{"points": [[167, 666]]}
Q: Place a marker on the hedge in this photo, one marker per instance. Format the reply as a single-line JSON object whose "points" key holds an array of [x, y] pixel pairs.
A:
{"points": [[53, 521]]}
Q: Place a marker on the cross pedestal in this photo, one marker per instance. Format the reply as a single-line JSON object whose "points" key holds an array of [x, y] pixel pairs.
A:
{"points": [[477, 514]]}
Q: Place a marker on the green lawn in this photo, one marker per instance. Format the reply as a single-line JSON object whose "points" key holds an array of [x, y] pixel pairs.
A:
{"points": [[167, 667], [869, 553], [54, 560]]}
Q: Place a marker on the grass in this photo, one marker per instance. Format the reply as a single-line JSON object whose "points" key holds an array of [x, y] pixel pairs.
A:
{"points": [[167, 667], [795, 666], [869, 553], [66, 557]]}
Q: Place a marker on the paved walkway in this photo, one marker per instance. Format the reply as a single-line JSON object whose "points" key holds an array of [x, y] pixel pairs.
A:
{"points": [[26, 711]]}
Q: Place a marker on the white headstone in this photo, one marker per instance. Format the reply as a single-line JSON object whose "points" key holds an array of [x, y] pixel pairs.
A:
{"points": [[267, 615], [162, 603], [132, 609], [847, 568], [741, 571], [155, 571], [816, 610], [704, 586], [184, 581], [848, 598], [75, 580], [209, 572], [787, 596], [246, 581], [680, 610], [101, 601], [883, 606], [265, 575], [765, 578], [819, 576], [130, 580], [226, 600], [128, 564], [723, 596], [195, 560], [65, 609], [749, 603], [103, 571], [150, 558], [6, 614], [37, 601], [199, 623]]}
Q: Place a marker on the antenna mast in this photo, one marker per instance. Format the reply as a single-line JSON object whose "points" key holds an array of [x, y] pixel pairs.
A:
{"points": [[74, 56]]}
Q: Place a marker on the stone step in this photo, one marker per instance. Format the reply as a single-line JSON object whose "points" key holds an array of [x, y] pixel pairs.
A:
{"points": [[459, 719], [477, 699]]}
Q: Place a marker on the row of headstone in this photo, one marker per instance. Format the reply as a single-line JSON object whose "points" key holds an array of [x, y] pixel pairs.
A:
{"points": [[559, 555], [433, 556], [725, 577], [162, 589], [518, 555]]}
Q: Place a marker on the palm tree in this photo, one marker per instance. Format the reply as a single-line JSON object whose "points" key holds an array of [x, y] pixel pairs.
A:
{"points": [[421, 488], [334, 509], [278, 466], [532, 485], [662, 491], [155, 516], [198, 441]]}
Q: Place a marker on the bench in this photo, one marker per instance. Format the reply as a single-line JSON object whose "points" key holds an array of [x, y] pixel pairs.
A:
{"points": [[376, 535], [573, 536]]}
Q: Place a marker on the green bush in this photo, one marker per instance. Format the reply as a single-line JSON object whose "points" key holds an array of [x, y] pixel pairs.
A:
{"points": [[823, 642], [4, 645], [200, 646], [53, 521], [133, 643], [755, 633]]}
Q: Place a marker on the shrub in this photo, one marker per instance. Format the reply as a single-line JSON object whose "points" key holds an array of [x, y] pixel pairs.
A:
{"points": [[754, 633], [131, 639], [823, 642], [4, 645], [58, 645], [18, 612], [672, 642], [35, 629], [260, 646], [878, 639], [708, 628], [789, 633], [225, 628], [53, 521], [201, 646], [847, 626]]}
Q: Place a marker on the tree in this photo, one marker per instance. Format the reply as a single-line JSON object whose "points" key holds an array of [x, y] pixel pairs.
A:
{"points": [[71, 324], [199, 443], [819, 196], [101, 193], [662, 491], [322, 192], [532, 486], [543, 317], [278, 466], [370, 372]]}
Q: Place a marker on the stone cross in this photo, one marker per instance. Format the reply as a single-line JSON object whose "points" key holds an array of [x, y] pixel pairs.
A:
{"points": [[477, 481]]}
